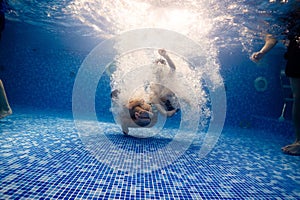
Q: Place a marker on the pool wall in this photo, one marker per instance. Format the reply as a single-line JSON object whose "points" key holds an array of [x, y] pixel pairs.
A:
{"points": [[38, 68]]}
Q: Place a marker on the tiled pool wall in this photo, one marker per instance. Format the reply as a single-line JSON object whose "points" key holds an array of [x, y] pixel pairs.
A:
{"points": [[39, 66]]}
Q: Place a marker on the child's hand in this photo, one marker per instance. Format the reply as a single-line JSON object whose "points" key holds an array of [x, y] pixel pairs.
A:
{"points": [[162, 52]]}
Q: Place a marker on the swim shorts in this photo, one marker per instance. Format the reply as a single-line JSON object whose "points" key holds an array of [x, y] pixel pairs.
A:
{"points": [[293, 58]]}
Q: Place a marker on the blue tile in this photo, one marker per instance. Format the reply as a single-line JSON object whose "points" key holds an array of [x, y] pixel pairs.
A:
{"points": [[45, 158]]}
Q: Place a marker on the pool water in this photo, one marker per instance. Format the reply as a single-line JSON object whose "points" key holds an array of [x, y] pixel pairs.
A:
{"points": [[45, 154], [43, 157]]}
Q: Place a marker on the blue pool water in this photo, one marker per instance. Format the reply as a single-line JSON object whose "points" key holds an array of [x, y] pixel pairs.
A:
{"points": [[42, 157], [48, 151]]}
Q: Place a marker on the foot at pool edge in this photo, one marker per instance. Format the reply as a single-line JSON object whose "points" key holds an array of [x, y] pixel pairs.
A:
{"points": [[5, 113], [292, 149]]}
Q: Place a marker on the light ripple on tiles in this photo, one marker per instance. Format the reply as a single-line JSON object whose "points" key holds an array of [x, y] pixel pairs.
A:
{"points": [[231, 170]]}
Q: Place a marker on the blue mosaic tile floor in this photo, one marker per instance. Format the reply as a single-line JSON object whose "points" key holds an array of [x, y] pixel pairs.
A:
{"points": [[43, 157]]}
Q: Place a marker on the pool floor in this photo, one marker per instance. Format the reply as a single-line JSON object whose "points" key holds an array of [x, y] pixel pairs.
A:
{"points": [[42, 156]]}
